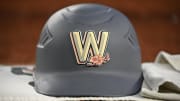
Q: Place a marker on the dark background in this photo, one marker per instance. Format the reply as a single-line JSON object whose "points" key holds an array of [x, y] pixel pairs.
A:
{"points": [[157, 23]]}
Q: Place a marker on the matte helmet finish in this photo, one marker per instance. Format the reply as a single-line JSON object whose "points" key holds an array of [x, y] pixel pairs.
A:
{"points": [[88, 50]]}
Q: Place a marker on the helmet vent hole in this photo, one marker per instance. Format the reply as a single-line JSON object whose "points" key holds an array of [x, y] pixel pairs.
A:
{"points": [[45, 39], [130, 39]]}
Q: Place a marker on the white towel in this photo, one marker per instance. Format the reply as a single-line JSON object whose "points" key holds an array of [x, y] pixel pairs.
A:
{"points": [[166, 58], [162, 78]]}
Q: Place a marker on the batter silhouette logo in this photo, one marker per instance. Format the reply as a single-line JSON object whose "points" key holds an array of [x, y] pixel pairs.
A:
{"points": [[90, 49]]}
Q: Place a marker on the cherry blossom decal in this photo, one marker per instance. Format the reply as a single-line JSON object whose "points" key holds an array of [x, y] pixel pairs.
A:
{"points": [[98, 60]]}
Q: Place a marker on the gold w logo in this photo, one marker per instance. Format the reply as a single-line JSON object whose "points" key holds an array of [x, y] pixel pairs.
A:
{"points": [[89, 45]]}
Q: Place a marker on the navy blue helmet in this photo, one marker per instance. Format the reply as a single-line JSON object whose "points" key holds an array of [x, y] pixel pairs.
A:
{"points": [[88, 50]]}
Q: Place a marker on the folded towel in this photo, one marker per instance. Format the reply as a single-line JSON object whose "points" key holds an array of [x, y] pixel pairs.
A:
{"points": [[162, 78], [166, 58]]}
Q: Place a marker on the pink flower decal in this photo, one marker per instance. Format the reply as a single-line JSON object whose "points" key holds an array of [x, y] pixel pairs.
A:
{"points": [[98, 60]]}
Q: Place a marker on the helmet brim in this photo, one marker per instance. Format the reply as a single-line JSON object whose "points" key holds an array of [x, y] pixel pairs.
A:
{"points": [[88, 83]]}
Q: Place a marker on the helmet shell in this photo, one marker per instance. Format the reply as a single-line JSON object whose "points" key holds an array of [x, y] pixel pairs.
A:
{"points": [[58, 72]]}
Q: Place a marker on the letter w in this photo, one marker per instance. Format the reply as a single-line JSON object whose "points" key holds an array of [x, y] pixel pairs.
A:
{"points": [[89, 44]]}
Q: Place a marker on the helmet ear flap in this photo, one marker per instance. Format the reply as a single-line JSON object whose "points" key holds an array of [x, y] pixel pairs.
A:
{"points": [[46, 37]]}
